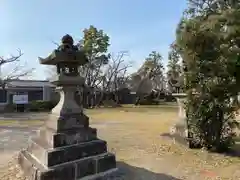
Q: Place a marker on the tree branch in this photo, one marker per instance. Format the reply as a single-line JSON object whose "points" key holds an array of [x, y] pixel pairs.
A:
{"points": [[12, 58]]}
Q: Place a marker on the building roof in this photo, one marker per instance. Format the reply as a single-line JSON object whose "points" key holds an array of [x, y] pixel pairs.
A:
{"points": [[28, 83]]}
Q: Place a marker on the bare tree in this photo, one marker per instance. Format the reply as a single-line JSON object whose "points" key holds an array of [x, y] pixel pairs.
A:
{"points": [[114, 76], [17, 71], [104, 75], [149, 76]]}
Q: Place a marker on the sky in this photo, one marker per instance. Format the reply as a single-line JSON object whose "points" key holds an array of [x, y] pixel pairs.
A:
{"points": [[136, 26]]}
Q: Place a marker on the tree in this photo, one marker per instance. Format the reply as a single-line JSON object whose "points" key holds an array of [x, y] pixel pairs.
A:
{"points": [[104, 72], [152, 65], [174, 73], [208, 38], [149, 74], [95, 43], [114, 77], [17, 70]]}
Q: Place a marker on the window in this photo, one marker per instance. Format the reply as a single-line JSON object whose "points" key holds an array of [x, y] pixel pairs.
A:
{"points": [[3, 96], [35, 95]]}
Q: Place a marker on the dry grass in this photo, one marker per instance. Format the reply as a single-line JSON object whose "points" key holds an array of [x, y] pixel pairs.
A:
{"points": [[134, 135]]}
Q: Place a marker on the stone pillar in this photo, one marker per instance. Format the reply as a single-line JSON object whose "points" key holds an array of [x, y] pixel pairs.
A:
{"points": [[46, 93], [179, 130], [8, 97], [67, 148], [181, 126], [181, 110]]}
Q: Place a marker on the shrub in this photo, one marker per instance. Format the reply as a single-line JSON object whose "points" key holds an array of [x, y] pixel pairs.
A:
{"points": [[212, 69], [110, 103], [148, 100], [9, 107], [41, 105]]}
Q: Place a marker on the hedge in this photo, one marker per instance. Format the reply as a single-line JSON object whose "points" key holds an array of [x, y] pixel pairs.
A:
{"points": [[41, 105]]}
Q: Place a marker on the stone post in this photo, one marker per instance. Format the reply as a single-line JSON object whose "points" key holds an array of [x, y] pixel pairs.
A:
{"points": [[180, 130], [181, 110], [180, 126], [67, 148]]}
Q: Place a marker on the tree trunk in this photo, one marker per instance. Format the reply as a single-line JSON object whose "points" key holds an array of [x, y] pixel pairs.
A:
{"points": [[100, 98]]}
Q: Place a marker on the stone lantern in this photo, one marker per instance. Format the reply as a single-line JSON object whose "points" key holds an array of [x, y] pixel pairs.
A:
{"points": [[66, 148]]}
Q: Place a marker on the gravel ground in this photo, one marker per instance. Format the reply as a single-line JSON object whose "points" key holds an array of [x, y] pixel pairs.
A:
{"points": [[125, 172], [15, 138], [24, 116], [12, 139], [11, 170]]}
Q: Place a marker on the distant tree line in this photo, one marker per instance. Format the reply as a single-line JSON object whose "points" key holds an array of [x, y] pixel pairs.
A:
{"points": [[107, 74]]}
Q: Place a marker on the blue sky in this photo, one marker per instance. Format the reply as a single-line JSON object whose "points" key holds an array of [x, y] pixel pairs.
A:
{"points": [[137, 26]]}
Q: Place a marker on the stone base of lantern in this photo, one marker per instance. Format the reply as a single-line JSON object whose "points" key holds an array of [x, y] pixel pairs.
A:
{"points": [[67, 149]]}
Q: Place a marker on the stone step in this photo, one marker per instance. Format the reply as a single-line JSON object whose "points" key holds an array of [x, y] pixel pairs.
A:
{"points": [[49, 156], [65, 138], [95, 167]]}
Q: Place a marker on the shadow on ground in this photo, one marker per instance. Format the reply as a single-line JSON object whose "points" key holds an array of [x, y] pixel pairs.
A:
{"points": [[233, 152], [128, 172]]}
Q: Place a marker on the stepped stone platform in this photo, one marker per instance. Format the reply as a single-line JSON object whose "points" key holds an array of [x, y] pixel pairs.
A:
{"points": [[70, 152]]}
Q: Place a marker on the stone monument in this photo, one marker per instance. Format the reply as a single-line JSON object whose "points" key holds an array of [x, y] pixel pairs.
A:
{"points": [[66, 148], [180, 130], [180, 127]]}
